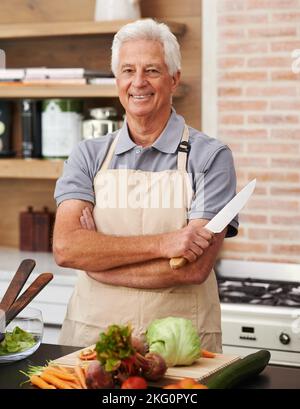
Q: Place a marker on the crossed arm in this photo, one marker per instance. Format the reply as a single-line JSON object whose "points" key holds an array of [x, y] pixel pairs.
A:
{"points": [[135, 261]]}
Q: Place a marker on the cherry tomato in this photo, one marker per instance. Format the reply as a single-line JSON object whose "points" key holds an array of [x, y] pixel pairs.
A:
{"points": [[134, 382]]}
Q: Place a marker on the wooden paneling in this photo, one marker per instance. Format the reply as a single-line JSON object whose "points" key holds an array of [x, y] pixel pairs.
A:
{"points": [[16, 195], [89, 52], [33, 11], [170, 8], [30, 168]]}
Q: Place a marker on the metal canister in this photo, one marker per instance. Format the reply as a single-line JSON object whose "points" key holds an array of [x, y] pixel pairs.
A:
{"points": [[102, 121]]}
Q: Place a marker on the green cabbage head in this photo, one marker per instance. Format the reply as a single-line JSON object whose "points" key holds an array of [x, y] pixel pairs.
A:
{"points": [[175, 339]]}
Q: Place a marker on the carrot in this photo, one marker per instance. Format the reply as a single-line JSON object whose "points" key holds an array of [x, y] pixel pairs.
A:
{"points": [[54, 380], [207, 354], [81, 376], [74, 385], [60, 374], [40, 383], [63, 369], [88, 355]]}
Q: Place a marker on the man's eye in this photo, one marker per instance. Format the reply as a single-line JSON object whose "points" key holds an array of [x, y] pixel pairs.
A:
{"points": [[127, 70]]}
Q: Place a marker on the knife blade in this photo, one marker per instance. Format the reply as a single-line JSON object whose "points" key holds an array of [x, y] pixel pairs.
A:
{"points": [[223, 218]]}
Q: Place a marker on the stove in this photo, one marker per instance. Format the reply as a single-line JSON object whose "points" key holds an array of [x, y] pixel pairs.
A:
{"points": [[260, 304]]}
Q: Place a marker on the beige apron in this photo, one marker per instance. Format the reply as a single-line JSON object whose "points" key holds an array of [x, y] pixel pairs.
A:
{"points": [[134, 202]]}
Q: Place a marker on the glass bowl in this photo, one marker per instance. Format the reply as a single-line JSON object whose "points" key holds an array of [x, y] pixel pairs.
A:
{"points": [[30, 320]]}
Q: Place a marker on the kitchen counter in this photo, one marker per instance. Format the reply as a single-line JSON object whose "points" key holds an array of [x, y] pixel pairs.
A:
{"points": [[273, 377]]}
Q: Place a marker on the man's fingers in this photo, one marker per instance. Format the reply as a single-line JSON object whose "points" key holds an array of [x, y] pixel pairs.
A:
{"points": [[190, 256], [205, 234], [203, 244], [89, 219], [83, 222]]}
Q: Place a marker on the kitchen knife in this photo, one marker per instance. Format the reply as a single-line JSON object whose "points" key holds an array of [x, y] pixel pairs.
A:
{"points": [[223, 218]]}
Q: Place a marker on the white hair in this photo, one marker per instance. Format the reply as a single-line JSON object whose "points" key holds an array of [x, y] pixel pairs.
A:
{"points": [[148, 29]]}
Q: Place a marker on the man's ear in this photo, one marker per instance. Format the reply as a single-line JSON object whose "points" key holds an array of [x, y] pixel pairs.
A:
{"points": [[175, 80]]}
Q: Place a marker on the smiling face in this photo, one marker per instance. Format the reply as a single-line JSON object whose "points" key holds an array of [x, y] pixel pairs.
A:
{"points": [[144, 83]]}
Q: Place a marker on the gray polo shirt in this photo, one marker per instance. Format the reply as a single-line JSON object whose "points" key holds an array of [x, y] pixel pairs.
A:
{"points": [[209, 162]]}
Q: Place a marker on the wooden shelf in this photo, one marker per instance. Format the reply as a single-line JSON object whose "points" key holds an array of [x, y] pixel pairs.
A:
{"points": [[31, 168], [66, 91], [74, 28]]}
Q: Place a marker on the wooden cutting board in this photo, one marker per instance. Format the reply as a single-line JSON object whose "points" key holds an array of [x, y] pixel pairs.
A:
{"points": [[201, 370]]}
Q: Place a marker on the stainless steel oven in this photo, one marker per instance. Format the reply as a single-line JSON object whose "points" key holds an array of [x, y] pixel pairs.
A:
{"points": [[260, 304]]}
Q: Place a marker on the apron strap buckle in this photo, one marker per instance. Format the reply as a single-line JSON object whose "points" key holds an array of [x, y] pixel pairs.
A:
{"points": [[184, 146]]}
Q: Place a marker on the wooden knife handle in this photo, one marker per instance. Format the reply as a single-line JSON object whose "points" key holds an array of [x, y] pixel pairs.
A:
{"points": [[17, 283], [177, 262], [32, 291]]}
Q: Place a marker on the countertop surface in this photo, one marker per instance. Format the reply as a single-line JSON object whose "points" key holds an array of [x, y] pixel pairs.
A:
{"points": [[273, 377]]}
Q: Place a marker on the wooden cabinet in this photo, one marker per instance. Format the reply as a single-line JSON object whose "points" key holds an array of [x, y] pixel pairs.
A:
{"points": [[42, 36]]}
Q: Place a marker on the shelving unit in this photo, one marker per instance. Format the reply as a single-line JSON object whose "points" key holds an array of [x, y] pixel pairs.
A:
{"points": [[31, 168], [33, 36], [55, 29], [66, 91]]}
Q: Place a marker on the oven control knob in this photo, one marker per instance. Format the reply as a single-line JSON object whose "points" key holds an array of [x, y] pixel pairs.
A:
{"points": [[284, 338]]}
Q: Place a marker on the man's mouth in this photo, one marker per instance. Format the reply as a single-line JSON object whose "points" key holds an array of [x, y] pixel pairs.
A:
{"points": [[141, 96]]}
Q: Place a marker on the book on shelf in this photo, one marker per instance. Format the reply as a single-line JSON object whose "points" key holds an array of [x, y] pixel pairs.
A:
{"points": [[54, 81], [11, 74], [44, 72], [102, 81]]}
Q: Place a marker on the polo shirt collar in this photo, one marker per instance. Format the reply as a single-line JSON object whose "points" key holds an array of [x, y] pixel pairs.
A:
{"points": [[167, 142]]}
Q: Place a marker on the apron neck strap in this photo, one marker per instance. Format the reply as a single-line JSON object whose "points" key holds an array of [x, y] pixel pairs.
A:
{"points": [[181, 157], [183, 150], [110, 153]]}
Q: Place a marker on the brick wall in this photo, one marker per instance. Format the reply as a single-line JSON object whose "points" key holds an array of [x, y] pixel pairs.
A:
{"points": [[259, 118]]}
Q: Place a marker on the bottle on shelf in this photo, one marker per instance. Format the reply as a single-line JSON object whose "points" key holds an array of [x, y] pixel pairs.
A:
{"points": [[31, 128]]}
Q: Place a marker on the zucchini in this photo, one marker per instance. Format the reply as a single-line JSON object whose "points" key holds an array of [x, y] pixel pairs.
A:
{"points": [[239, 371]]}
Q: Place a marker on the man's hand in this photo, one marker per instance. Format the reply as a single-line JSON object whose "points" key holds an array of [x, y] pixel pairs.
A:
{"points": [[189, 242], [87, 220]]}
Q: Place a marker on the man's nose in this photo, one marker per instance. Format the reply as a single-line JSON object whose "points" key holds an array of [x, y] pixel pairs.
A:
{"points": [[139, 79]]}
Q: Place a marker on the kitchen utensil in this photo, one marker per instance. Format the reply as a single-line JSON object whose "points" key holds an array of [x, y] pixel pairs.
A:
{"points": [[31, 292], [16, 284], [223, 218], [10, 306], [13, 290]]}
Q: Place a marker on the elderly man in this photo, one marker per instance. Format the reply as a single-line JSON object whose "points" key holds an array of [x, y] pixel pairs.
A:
{"points": [[130, 201]]}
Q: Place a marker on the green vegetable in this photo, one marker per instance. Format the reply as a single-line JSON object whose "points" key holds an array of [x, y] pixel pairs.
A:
{"points": [[240, 370], [16, 341], [114, 346], [175, 339]]}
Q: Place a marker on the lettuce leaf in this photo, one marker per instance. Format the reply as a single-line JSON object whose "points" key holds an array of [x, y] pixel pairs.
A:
{"points": [[16, 341], [175, 339]]}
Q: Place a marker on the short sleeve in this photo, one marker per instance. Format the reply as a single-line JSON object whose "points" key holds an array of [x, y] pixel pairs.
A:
{"points": [[76, 181], [214, 187]]}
